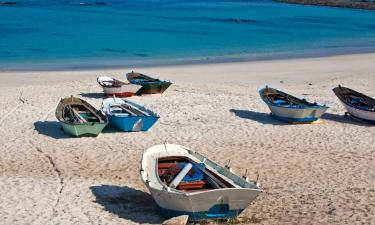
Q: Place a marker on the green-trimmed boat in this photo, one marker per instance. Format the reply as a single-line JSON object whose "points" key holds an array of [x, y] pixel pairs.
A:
{"points": [[79, 118], [149, 85]]}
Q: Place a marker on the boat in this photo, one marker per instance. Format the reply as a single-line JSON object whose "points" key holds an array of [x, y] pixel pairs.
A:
{"points": [[291, 109], [119, 88], [149, 85], [358, 105], [184, 182], [79, 118], [128, 116]]}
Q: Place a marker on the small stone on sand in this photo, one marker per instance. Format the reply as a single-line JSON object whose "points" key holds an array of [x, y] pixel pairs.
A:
{"points": [[180, 220]]}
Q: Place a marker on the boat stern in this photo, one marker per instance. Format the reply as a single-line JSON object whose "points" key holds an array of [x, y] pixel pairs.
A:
{"points": [[213, 204]]}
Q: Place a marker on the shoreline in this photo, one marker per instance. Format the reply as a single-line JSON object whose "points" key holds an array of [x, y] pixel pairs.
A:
{"points": [[229, 58], [350, 62]]}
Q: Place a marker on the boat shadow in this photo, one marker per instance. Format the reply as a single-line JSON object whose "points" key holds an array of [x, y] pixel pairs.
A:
{"points": [[344, 119], [97, 95], [260, 117], [110, 129], [51, 129], [128, 203]]}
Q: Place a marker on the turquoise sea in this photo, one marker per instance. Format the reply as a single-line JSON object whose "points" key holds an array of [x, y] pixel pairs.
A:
{"points": [[50, 34]]}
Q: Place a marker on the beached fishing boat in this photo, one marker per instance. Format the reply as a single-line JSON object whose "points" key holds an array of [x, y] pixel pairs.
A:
{"points": [[127, 115], [184, 182], [288, 108], [359, 106], [112, 87], [79, 118], [149, 85]]}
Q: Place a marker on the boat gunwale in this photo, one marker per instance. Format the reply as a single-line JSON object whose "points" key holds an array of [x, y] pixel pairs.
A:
{"points": [[121, 83], [149, 80], [168, 189], [187, 194]]}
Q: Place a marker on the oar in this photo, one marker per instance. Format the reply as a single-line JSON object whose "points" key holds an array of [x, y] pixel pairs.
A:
{"points": [[214, 181], [137, 109], [127, 109], [79, 118]]}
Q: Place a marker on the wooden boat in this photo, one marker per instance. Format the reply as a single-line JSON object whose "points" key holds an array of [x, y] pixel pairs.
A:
{"points": [[79, 118], [359, 106], [149, 85], [127, 115], [288, 108], [184, 182], [112, 87]]}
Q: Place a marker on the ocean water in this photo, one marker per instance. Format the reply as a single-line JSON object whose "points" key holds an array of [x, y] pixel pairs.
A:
{"points": [[46, 34]]}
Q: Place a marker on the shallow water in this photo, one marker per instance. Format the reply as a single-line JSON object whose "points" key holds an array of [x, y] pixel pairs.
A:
{"points": [[45, 34]]}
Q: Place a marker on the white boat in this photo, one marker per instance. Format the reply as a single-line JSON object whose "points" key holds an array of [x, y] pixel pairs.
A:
{"points": [[184, 182], [118, 88], [358, 105]]}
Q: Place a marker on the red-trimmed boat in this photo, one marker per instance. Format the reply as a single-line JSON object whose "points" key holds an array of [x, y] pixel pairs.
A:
{"points": [[118, 88]]}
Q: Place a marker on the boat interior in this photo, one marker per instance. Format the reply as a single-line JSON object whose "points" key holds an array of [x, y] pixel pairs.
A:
{"points": [[198, 178], [80, 113], [111, 83], [137, 77], [359, 101], [355, 99], [283, 99], [127, 109]]}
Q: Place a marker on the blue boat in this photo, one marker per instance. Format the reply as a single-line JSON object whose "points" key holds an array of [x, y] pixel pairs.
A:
{"points": [[290, 109], [128, 116]]}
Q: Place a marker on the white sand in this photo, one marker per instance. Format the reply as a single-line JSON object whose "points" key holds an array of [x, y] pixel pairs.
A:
{"points": [[311, 174]]}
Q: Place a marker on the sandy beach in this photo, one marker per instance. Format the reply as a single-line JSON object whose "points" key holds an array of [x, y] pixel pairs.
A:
{"points": [[310, 174]]}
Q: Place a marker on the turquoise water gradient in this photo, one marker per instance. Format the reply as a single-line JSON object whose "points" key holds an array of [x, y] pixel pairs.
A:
{"points": [[45, 33]]}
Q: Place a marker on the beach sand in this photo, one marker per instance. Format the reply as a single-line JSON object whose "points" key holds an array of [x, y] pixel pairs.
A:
{"points": [[310, 174]]}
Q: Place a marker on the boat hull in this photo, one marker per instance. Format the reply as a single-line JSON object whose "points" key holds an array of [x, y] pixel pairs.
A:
{"points": [[307, 114], [126, 90], [83, 130], [366, 116], [153, 87], [122, 94], [132, 123], [215, 204]]}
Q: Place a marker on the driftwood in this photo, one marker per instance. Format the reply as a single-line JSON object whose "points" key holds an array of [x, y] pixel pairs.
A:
{"points": [[21, 98]]}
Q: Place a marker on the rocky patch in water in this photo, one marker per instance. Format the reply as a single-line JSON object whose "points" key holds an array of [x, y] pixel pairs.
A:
{"points": [[357, 4]]}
